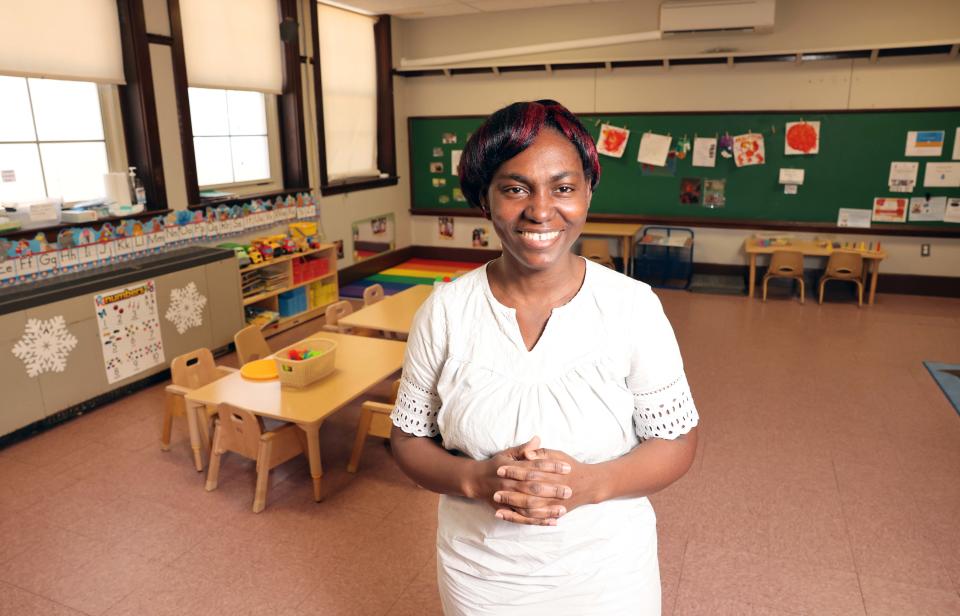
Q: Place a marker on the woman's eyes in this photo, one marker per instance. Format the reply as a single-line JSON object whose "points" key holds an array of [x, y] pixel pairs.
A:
{"points": [[519, 190]]}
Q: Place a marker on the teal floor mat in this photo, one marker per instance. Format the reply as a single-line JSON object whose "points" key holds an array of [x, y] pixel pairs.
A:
{"points": [[947, 377]]}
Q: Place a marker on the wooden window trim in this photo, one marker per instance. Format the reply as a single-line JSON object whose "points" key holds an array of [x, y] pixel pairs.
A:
{"points": [[386, 133], [290, 112]]}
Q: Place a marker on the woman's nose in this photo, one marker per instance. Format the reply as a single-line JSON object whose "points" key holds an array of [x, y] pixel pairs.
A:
{"points": [[539, 206]]}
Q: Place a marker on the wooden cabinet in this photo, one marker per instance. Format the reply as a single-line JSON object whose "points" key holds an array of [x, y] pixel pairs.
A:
{"points": [[298, 287]]}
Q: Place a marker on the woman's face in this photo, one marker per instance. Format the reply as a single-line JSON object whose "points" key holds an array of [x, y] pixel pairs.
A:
{"points": [[538, 201]]}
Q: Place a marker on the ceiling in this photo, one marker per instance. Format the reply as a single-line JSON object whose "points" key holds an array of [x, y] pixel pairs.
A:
{"points": [[416, 9]]}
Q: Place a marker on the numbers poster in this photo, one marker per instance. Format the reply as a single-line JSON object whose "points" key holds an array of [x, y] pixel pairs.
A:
{"points": [[129, 330]]}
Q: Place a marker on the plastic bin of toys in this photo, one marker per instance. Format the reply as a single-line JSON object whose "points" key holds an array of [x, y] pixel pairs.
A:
{"points": [[308, 269], [317, 359]]}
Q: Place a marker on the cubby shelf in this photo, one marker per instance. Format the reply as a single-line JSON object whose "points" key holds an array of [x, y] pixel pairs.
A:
{"points": [[269, 300]]}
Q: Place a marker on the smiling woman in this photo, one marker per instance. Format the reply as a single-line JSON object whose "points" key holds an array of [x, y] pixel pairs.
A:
{"points": [[560, 408]]}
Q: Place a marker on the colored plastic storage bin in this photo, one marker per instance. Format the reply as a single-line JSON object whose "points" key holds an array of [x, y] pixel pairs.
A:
{"points": [[292, 302]]}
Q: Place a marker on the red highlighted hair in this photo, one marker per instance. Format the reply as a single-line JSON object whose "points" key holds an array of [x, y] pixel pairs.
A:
{"points": [[511, 130]]}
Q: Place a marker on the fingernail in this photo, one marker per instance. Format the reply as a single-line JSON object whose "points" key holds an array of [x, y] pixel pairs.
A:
{"points": [[564, 468], [497, 498], [501, 472], [567, 492], [499, 515], [552, 523], [561, 511]]}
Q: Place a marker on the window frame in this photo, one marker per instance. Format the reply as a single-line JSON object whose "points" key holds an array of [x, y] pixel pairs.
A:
{"points": [[111, 122], [386, 134], [249, 187]]}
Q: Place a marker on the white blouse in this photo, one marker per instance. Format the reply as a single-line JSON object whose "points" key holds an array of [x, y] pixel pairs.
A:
{"points": [[605, 374]]}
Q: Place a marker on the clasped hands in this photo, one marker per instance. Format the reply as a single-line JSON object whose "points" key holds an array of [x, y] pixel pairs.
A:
{"points": [[530, 485]]}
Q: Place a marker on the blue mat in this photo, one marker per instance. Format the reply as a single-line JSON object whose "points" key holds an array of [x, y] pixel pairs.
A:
{"points": [[949, 383]]}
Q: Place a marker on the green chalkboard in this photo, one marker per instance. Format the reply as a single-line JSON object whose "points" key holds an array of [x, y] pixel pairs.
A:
{"points": [[851, 168]]}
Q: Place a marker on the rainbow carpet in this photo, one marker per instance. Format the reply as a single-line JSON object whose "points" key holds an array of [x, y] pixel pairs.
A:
{"points": [[409, 273]]}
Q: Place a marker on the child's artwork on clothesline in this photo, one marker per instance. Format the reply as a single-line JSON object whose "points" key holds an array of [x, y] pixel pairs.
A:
{"points": [[612, 141], [654, 149], [704, 152], [748, 149], [802, 138]]}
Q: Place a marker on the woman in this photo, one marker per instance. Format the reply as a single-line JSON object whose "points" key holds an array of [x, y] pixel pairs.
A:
{"points": [[543, 395]]}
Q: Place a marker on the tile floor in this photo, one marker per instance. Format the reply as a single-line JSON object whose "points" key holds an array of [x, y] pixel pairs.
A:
{"points": [[827, 482]]}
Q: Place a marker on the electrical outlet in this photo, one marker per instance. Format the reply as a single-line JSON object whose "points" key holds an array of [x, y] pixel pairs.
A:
{"points": [[924, 250]]}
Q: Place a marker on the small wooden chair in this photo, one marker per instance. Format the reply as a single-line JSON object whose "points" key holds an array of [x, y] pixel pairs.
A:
{"points": [[243, 432], [598, 251], [844, 265], [374, 421], [251, 345], [334, 313], [372, 294], [785, 264], [188, 372]]}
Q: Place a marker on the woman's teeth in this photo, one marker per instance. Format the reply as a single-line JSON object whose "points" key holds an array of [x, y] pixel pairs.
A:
{"points": [[540, 237]]}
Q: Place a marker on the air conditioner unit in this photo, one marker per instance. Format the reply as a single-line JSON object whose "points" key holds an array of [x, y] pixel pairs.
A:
{"points": [[680, 17]]}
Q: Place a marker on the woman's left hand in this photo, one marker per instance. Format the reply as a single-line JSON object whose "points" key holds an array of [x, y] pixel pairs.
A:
{"points": [[583, 480]]}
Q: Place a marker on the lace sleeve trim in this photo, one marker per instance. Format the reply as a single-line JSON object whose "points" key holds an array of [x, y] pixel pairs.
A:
{"points": [[666, 412], [416, 409]]}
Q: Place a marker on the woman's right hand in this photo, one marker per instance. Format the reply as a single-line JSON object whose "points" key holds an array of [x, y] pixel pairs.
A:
{"points": [[545, 495]]}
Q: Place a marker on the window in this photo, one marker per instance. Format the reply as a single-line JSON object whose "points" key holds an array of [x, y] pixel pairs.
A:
{"points": [[52, 141], [230, 137], [354, 100]]}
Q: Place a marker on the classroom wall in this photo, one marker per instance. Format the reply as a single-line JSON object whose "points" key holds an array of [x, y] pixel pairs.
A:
{"points": [[801, 24], [337, 212]]}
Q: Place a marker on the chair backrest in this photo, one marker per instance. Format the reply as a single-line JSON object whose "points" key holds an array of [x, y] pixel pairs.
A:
{"points": [[595, 250], [786, 263], [372, 294], [844, 264], [240, 430], [337, 311], [194, 369], [251, 344]]}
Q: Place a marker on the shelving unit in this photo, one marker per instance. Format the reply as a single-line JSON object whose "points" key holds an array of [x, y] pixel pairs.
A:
{"points": [[306, 283], [664, 257]]}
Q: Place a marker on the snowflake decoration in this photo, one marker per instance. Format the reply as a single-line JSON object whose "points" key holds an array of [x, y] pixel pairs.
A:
{"points": [[45, 346], [186, 308]]}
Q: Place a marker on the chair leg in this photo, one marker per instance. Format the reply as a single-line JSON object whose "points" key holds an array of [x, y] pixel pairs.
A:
{"points": [[263, 476], [213, 472], [764, 288], [803, 290], [168, 411], [822, 282], [204, 424], [859, 294], [362, 428]]}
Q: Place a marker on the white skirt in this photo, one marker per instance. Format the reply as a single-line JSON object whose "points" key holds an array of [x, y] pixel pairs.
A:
{"points": [[599, 560]]}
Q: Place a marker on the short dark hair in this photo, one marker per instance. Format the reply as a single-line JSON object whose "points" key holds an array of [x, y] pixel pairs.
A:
{"points": [[511, 130]]}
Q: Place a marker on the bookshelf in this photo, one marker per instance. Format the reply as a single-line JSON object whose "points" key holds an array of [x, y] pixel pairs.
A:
{"points": [[298, 287]]}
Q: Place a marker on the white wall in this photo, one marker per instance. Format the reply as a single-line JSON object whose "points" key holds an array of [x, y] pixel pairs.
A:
{"points": [[810, 24]]}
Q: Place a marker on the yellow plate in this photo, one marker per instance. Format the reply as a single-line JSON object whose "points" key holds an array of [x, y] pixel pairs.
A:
{"points": [[260, 370]]}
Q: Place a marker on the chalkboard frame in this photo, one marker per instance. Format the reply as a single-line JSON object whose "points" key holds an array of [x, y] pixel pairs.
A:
{"points": [[895, 229]]}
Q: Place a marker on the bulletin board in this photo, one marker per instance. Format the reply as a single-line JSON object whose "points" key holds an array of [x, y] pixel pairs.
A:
{"points": [[850, 169]]}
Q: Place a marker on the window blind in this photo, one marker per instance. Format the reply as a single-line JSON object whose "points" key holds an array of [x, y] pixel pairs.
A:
{"points": [[232, 44], [61, 39], [348, 72]]}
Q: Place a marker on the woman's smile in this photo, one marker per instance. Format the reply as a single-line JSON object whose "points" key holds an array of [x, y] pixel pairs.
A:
{"points": [[539, 239]]}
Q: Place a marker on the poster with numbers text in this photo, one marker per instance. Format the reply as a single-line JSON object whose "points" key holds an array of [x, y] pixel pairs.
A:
{"points": [[129, 330]]}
